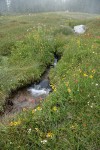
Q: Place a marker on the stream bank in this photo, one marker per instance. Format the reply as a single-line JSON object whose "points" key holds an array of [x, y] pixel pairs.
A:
{"points": [[29, 96]]}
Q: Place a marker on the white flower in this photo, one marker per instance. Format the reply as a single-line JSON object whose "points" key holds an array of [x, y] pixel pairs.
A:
{"points": [[88, 103], [91, 106], [96, 84], [44, 141], [29, 130]]}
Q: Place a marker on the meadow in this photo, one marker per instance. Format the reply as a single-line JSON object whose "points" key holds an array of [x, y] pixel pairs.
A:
{"points": [[68, 119]]}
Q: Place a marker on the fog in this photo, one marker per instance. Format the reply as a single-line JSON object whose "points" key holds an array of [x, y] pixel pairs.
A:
{"points": [[30, 6]]}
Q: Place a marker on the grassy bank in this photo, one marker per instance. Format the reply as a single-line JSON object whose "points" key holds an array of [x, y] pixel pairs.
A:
{"points": [[68, 119]]}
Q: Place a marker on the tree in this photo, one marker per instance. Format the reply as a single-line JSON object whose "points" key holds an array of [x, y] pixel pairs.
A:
{"points": [[3, 6]]}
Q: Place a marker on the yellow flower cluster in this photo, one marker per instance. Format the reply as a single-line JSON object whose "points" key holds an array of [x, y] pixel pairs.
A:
{"points": [[85, 75], [38, 108], [16, 123], [53, 87], [68, 88]]}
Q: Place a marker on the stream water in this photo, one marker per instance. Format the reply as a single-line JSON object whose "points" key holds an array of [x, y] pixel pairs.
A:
{"points": [[30, 96]]}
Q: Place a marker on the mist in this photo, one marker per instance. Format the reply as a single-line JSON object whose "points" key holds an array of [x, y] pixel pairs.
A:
{"points": [[31, 6]]}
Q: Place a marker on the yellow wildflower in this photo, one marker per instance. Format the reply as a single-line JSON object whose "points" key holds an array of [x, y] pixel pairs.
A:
{"points": [[15, 123], [33, 111], [69, 90], [39, 108], [93, 71], [91, 76], [55, 90], [49, 135], [54, 108], [85, 75], [53, 87]]}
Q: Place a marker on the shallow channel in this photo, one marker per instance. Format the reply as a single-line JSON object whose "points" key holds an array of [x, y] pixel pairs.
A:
{"points": [[30, 96]]}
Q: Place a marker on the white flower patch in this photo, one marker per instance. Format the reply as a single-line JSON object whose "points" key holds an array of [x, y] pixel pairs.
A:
{"points": [[44, 141]]}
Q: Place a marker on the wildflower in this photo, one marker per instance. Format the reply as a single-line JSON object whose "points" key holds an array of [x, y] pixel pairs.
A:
{"points": [[96, 84], [85, 75], [53, 87], [24, 109], [29, 130], [49, 135], [88, 103], [73, 127], [39, 108], [69, 90], [44, 141], [91, 76], [55, 90], [36, 129], [54, 108], [93, 71], [92, 105], [80, 70], [16, 123], [33, 111]]}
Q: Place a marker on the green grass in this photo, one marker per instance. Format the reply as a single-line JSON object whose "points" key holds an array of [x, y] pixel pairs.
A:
{"points": [[68, 119]]}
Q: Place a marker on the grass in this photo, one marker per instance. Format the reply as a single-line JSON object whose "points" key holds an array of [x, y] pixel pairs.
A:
{"points": [[68, 119]]}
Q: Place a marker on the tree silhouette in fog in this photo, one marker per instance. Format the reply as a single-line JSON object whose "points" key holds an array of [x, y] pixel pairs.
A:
{"points": [[28, 6]]}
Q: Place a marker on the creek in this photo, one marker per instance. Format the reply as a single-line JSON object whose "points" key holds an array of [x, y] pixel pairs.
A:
{"points": [[30, 96]]}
